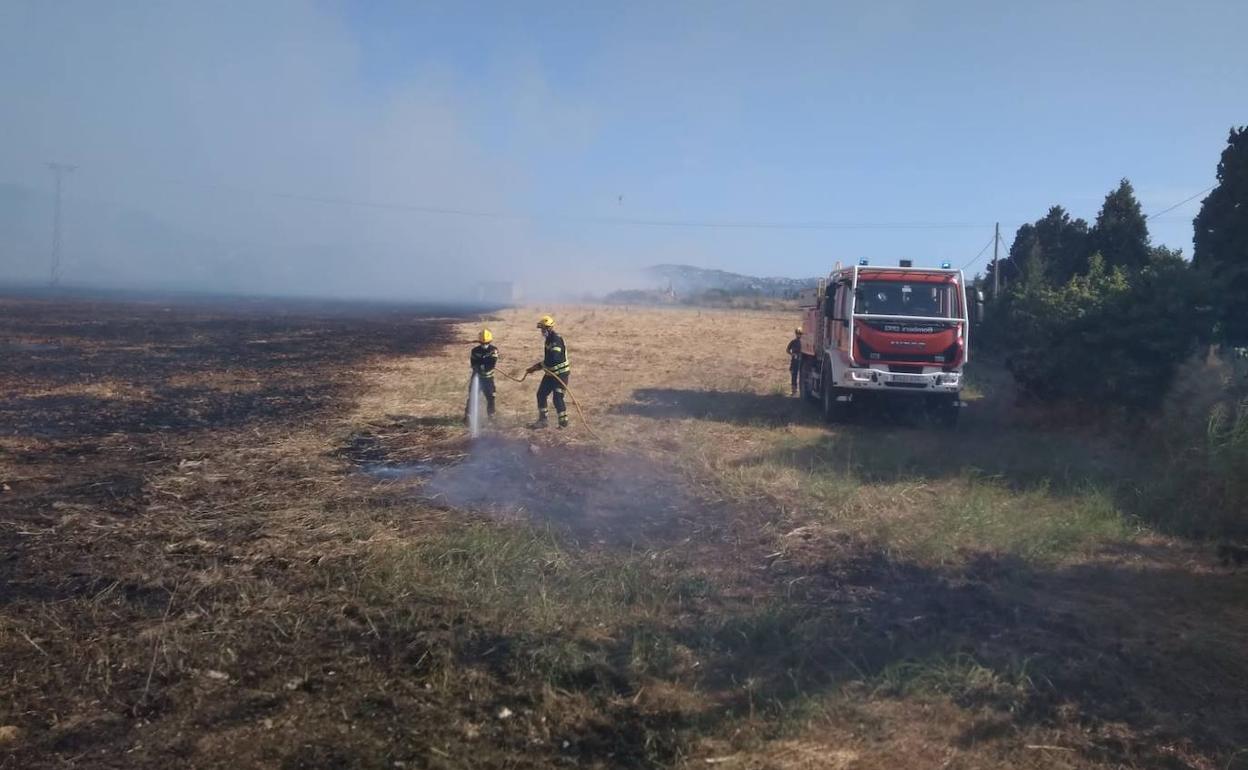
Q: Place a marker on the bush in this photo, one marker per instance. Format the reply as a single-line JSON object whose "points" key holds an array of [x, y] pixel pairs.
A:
{"points": [[1227, 448], [1198, 482], [1102, 339]]}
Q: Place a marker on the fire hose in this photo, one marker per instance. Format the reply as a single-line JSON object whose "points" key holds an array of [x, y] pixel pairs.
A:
{"points": [[563, 385]]}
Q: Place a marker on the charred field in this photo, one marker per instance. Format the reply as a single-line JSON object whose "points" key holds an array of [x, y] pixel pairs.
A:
{"points": [[255, 535]]}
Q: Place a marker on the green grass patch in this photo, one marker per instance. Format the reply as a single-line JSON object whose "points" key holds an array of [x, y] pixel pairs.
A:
{"points": [[577, 620], [916, 494], [524, 578], [959, 677], [979, 514]]}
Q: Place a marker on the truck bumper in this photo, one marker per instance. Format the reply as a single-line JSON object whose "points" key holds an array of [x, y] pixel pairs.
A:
{"points": [[949, 383]]}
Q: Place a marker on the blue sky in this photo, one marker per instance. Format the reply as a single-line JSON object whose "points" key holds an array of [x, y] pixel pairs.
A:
{"points": [[851, 112], [560, 115]]}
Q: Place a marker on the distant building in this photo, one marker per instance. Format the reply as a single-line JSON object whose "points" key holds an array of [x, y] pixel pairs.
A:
{"points": [[497, 292]]}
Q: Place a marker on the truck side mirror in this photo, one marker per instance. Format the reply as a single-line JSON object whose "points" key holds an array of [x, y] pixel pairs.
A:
{"points": [[979, 312]]}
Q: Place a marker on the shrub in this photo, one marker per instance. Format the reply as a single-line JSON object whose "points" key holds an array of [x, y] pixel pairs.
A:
{"points": [[1102, 338], [1197, 482]]}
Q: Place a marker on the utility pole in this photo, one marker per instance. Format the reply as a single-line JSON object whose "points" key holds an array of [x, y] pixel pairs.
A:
{"points": [[59, 170], [996, 266]]}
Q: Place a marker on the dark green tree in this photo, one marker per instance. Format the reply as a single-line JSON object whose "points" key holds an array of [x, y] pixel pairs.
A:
{"points": [[1104, 338], [1221, 239], [1064, 243], [1024, 250], [1121, 231], [1164, 256], [1054, 248]]}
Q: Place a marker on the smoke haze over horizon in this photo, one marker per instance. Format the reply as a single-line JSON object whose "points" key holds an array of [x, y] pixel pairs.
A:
{"points": [[315, 147]]}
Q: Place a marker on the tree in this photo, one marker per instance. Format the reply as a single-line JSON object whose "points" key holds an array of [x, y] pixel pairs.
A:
{"points": [[1163, 256], [1221, 239], [1104, 338], [1053, 248], [1024, 249], [1064, 243], [1121, 231]]}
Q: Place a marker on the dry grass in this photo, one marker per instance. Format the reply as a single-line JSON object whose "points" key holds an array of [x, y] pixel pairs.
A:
{"points": [[704, 394], [707, 391], [720, 580]]}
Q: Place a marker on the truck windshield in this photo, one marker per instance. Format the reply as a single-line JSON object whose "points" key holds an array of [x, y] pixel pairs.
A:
{"points": [[902, 298]]}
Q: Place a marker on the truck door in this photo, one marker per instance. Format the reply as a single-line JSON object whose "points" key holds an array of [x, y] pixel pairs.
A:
{"points": [[840, 312]]}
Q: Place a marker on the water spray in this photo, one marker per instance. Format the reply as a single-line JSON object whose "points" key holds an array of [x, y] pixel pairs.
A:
{"points": [[474, 406]]}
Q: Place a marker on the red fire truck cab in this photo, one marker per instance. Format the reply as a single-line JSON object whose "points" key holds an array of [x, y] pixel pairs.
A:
{"points": [[901, 332]]}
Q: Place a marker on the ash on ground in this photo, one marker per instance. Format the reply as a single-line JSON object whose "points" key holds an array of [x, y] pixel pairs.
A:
{"points": [[595, 496]]}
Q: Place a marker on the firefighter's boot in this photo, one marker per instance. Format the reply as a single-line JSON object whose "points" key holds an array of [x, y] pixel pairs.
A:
{"points": [[541, 422], [563, 420]]}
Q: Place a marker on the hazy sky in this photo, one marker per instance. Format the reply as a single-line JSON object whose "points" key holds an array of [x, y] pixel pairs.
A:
{"points": [[557, 116]]}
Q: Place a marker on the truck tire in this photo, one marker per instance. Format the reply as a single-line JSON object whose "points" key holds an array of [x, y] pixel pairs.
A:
{"points": [[833, 410], [805, 375]]}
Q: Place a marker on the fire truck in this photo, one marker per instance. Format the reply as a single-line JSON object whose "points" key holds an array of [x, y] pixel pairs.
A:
{"points": [[873, 332]]}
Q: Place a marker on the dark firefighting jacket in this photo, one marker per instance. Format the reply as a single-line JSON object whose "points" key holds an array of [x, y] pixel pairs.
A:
{"points": [[555, 361], [483, 360]]}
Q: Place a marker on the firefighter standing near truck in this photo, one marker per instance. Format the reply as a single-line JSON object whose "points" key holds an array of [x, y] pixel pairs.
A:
{"points": [[557, 370], [795, 358], [483, 359]]}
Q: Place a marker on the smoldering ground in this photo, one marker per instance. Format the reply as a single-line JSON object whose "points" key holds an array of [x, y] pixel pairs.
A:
{"points": [[593, 496]]}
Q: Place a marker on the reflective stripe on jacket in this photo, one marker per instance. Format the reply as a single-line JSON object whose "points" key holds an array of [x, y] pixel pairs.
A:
{"points": [[556, 359]]}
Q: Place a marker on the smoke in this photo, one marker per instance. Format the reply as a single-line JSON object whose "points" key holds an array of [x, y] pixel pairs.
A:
{"points": [[203, 132], [595, 496], [244, 146]]}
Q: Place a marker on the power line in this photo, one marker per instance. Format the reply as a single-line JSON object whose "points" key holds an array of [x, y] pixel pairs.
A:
{"points": [[728, 224], [1180, 203], [973, 259]]}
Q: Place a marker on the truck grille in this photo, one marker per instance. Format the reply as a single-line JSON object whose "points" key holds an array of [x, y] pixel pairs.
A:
{"points": [[944, 358]]}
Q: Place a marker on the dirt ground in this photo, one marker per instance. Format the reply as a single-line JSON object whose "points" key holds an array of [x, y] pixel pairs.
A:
{"points": [[256, 535]]}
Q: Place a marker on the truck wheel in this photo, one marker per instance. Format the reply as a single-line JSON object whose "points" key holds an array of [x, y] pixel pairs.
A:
{"points": [[833, 410], [804, 377]]}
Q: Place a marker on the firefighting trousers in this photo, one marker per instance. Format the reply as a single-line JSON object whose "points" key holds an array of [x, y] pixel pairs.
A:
{"points": [[486, 386], [550, 386]]}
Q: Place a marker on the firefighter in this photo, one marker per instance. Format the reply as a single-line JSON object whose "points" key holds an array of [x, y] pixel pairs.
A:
{"points": [[556, 366], [483, 359], [795, 358]]}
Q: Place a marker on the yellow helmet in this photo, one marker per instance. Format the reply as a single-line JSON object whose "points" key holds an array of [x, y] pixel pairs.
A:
{"points": [[485, 337], [545, 322], [798, 331]]}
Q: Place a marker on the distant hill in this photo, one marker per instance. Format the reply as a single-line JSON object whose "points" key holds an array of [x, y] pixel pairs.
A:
{"points": [[688, 281]]}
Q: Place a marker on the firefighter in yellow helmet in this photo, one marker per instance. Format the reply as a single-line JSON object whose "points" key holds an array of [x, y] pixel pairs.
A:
{"points": [[795, 358], [483, 359], [557, 368]]}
